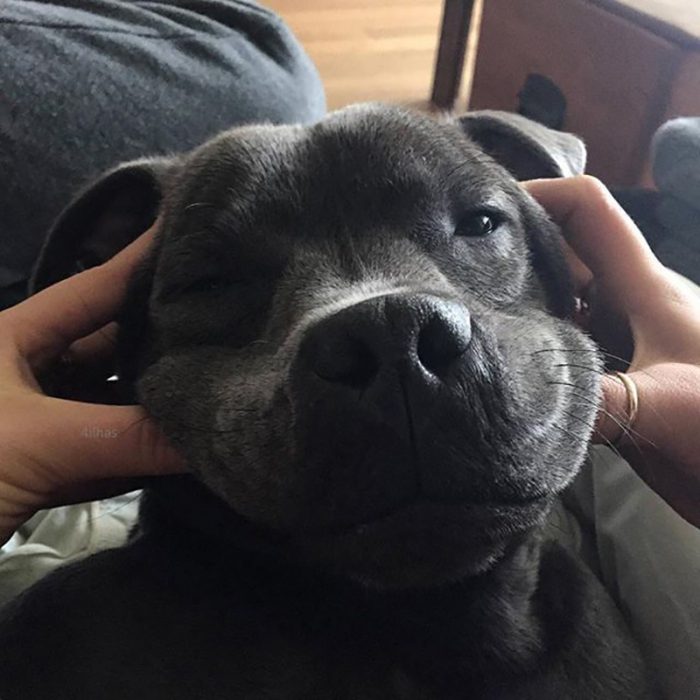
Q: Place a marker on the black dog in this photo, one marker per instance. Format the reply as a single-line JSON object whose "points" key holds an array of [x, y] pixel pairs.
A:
{"points": [[357, 335]]}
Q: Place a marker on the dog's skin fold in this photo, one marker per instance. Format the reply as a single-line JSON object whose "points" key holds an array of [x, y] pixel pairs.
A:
{"points": [[358, 334]]}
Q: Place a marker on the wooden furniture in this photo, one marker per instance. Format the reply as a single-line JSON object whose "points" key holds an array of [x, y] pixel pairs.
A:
{"points": [[624, 66], [457, 22]]}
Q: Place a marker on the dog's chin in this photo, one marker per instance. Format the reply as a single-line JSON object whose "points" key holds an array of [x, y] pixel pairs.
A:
{"points": [[425, 544]]}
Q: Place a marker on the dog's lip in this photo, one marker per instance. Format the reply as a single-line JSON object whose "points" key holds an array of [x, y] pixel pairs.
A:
{"points": [[505, 517]]}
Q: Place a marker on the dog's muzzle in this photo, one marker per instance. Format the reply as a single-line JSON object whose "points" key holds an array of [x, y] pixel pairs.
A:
{"points": [[417, 339]]}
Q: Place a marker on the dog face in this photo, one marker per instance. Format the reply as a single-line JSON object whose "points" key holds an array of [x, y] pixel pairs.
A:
{"points": [[356, 333]]}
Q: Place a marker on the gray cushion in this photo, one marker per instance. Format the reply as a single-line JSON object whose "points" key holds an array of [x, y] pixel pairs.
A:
{"points": [[85, 84]]}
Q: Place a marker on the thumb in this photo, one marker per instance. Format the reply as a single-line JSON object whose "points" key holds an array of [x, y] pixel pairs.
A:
{"points": [[93, 441], [614, 414], [667, 406]]}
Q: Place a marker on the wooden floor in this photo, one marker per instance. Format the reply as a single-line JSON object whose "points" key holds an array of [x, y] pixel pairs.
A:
{"points": [[368, 49]]}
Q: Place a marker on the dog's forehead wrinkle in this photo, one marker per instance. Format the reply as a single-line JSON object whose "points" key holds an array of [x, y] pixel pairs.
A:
{"points": [[317, 284], [389, 142], [245, 143], [240, 165], [382, 255], [350, 165]]}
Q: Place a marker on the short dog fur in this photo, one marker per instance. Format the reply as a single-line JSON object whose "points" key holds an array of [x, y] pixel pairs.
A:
{"points": [[358, 334]]}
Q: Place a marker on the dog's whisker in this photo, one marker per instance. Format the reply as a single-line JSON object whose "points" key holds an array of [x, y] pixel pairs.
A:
{"points": [[600, 351], [197, 429], [596, 370], [571, 434], [199, 205], [591, 402], [570, 350], [627, 430], [630, 431], [650, 477], [609, 443], [590, 426]]}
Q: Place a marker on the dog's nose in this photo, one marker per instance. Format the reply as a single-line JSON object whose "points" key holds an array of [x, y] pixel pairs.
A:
{"points": [[417, 332]]}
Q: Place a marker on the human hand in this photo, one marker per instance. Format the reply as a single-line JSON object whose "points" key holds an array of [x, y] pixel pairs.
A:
{"points": [[662, 311], [55, 451]]}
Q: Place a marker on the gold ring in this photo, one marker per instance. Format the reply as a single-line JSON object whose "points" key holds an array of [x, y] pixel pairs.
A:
{"points": [[632, 398]]}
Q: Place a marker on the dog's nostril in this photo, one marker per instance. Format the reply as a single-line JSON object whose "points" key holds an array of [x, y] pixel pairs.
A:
{"points": [[347, 361], [360, 344], [443, 339]]}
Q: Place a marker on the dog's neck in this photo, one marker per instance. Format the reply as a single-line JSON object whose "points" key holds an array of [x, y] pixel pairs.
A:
{"points": [[462, 624]]}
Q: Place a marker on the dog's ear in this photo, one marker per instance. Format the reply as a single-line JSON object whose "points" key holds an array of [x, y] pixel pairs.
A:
{"points": [[100, 222], [524, 147], [104, 218]]}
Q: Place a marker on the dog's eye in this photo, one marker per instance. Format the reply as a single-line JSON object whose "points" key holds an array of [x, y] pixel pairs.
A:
{"points": [[205, 284], [477, 224]]}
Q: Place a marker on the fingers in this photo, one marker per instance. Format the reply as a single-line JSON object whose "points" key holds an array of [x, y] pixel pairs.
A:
{"points": [[95, 348], [580, 274], [92, 441], [616, 425], [662, 443], [602, 236], [94, 490], [613, 417], [44, 325]]}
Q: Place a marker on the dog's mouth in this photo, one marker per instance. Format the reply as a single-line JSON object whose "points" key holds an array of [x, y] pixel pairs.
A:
{"points": [[422, 513], [424, 542]]}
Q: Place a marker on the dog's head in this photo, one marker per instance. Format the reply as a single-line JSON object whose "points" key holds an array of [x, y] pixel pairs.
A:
{"points": [[356, 332]]}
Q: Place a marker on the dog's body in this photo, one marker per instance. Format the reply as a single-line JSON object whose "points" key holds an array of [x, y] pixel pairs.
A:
{"points": [[356, 335], [181, 616]]}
